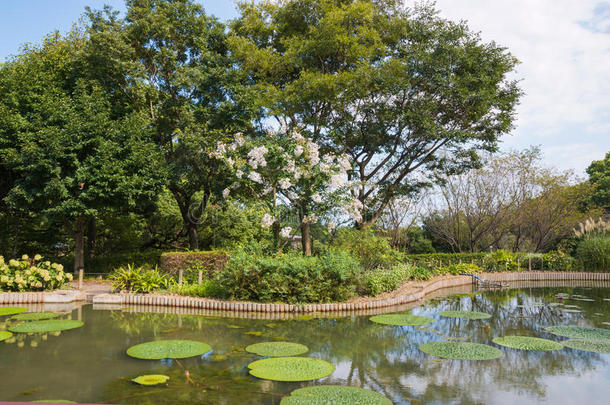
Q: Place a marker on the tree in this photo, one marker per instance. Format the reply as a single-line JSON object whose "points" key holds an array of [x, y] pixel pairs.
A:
{"points": [[73, 154], [169, 59], [407, 95], [599, 176]]}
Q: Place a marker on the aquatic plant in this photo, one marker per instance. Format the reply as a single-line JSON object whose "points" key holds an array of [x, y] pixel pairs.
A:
{"points": [[168, 349], [291, 368], [12, 310], [52, 325], [461, 350], [35, 316], [334, 394], [277, 349], [53, 401], [527, 343], [465, 314], [579, 332], [589, 345], [5, 335], [151, 379], [401, 319]]}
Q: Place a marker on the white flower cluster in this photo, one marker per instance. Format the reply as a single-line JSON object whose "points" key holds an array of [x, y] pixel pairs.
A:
{"points": [[285, 232], [267, 220], [257, 157]]}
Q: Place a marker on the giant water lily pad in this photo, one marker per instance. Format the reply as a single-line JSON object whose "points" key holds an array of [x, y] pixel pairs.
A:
{"points": [[12, 310], [401, 319], [151, 379], [52, 325], [335, 395], [168, 349], [53, 401], [579, 332], [461, 350], [465, 314], [291, 369], [589, 345], [5, 335], [527, 343], [35, 316], [277, 349]]}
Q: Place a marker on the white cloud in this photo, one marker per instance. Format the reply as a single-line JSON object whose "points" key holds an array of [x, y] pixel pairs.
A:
{"points": [[564, 49]]}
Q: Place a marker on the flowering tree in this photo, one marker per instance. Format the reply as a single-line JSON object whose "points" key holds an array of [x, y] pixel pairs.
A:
{"points": [[285, 168]]}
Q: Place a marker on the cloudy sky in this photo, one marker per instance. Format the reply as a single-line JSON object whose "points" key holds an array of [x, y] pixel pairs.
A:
{"points": [[563, 46]]}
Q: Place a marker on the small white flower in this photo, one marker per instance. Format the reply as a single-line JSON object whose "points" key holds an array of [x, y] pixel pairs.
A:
{"points": [[285, 184], [336, 181], [267, 220], [331, 226], [239, 174], [298, 150], [297, 136], [285, 232], [239, 139], [317, 198], [257, 157], [221, 149], [225, 193], [344, 163], [255, 177]]}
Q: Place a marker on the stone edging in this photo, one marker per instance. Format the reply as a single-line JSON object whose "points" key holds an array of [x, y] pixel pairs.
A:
{"points": [[204, 303]]}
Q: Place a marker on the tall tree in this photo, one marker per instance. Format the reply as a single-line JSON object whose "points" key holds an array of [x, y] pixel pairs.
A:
{"points": [[599, 176], [407, 94], [171, 61], [71, 152]]}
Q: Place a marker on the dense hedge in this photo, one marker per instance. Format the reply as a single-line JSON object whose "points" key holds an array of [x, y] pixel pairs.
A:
{"points": [[211, 262]]}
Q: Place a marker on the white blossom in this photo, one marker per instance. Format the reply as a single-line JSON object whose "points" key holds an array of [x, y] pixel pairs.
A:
{"points": [[267, 220], [317, 198], [285, 232], [331, 226], [344, 163], [313, 153], [226, 192], [354, 209], [257, 157], [255, 177], [221, 149], [311, 219], [336, 181], [298, 150], [297, 136], [239, 174], [267, 190], [239, 139], [285, 183]]}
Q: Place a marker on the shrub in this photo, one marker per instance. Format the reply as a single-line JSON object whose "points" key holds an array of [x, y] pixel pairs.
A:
{"points": [[456, 269], [143, 279], [593, 253], [372, 251], [291, 277], [421, 273], [208, 288], [386, 280], [211, 262], [31, 274], [500, 260]]}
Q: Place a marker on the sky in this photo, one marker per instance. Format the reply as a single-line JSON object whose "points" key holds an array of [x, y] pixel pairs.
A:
{"points": [[563, 47]]}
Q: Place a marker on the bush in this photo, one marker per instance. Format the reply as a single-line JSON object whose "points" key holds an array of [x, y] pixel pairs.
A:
{"points": [[208, 288], [290, 278], [386, 280], [143, 279], [31, 274], [593, 253], [371, 250], [456, 269], [211, 262]]}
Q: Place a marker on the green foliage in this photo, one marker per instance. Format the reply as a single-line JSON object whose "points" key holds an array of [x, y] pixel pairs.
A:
{"points": [[12, 310], [527, 343], [291, 369], [599, 176], [461, 350], [382, 280], [52, 325], [421, 274], [401, 319], [209, 262], [31, 274], [168, 349], [373, 251], [142, 279], [465, 314], [593, 253], [5, 335], [277, 349], [589, 345], [456, 269], [334, 394], [579, 332], [290, 278], [208, 288], [108, 263], [151, 379]]}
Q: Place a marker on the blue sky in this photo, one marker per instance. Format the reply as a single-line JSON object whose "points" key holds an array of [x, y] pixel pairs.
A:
{"points": [[563, 46]]}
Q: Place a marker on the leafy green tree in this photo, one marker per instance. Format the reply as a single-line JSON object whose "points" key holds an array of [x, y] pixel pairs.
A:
{"points": [[406, 94], [599, 176], [170, 60], [72, 154]]}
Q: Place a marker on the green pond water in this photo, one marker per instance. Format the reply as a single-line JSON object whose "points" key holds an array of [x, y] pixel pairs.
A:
{"points": [[89, 364]]}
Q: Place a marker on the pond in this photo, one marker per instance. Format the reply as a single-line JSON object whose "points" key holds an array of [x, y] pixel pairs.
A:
{"points": [[89, 364]]}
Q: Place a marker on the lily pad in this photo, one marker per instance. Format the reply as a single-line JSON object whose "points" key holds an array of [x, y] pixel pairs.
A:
{"points": [[465, 314], [52, 325], [589, 345], [534, 305], [401, 319], [12, 310], [152, 379], [254, 333], [5, 335], [291, 369], [461, 350], [527, 343], [334, 394], [53, 401], [168, 349], [35, 316], [571, 311], [579, 332], [277, 349]]}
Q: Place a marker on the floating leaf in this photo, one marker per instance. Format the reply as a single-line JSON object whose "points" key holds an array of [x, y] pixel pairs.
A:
{"points": [[234, 327], [168, 349], [465, 314], [583, 299], [12, 310], [53, 401], [579, 332], [401, 319], [537, 304], [52, 325], [35, 316], [589, 345], [571, 311], [461, 350], [152, 379], [291, 368], [254, 333], [335, 395], [527, 343], [277, 349], [5, 335]]}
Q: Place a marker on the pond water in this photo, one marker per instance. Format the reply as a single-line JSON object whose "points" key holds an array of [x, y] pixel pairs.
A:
{"points": [[89, 364]]}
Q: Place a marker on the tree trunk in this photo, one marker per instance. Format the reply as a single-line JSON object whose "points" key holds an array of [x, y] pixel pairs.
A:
{"points": [[78, 232], [305, 238], [193, 238]]}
